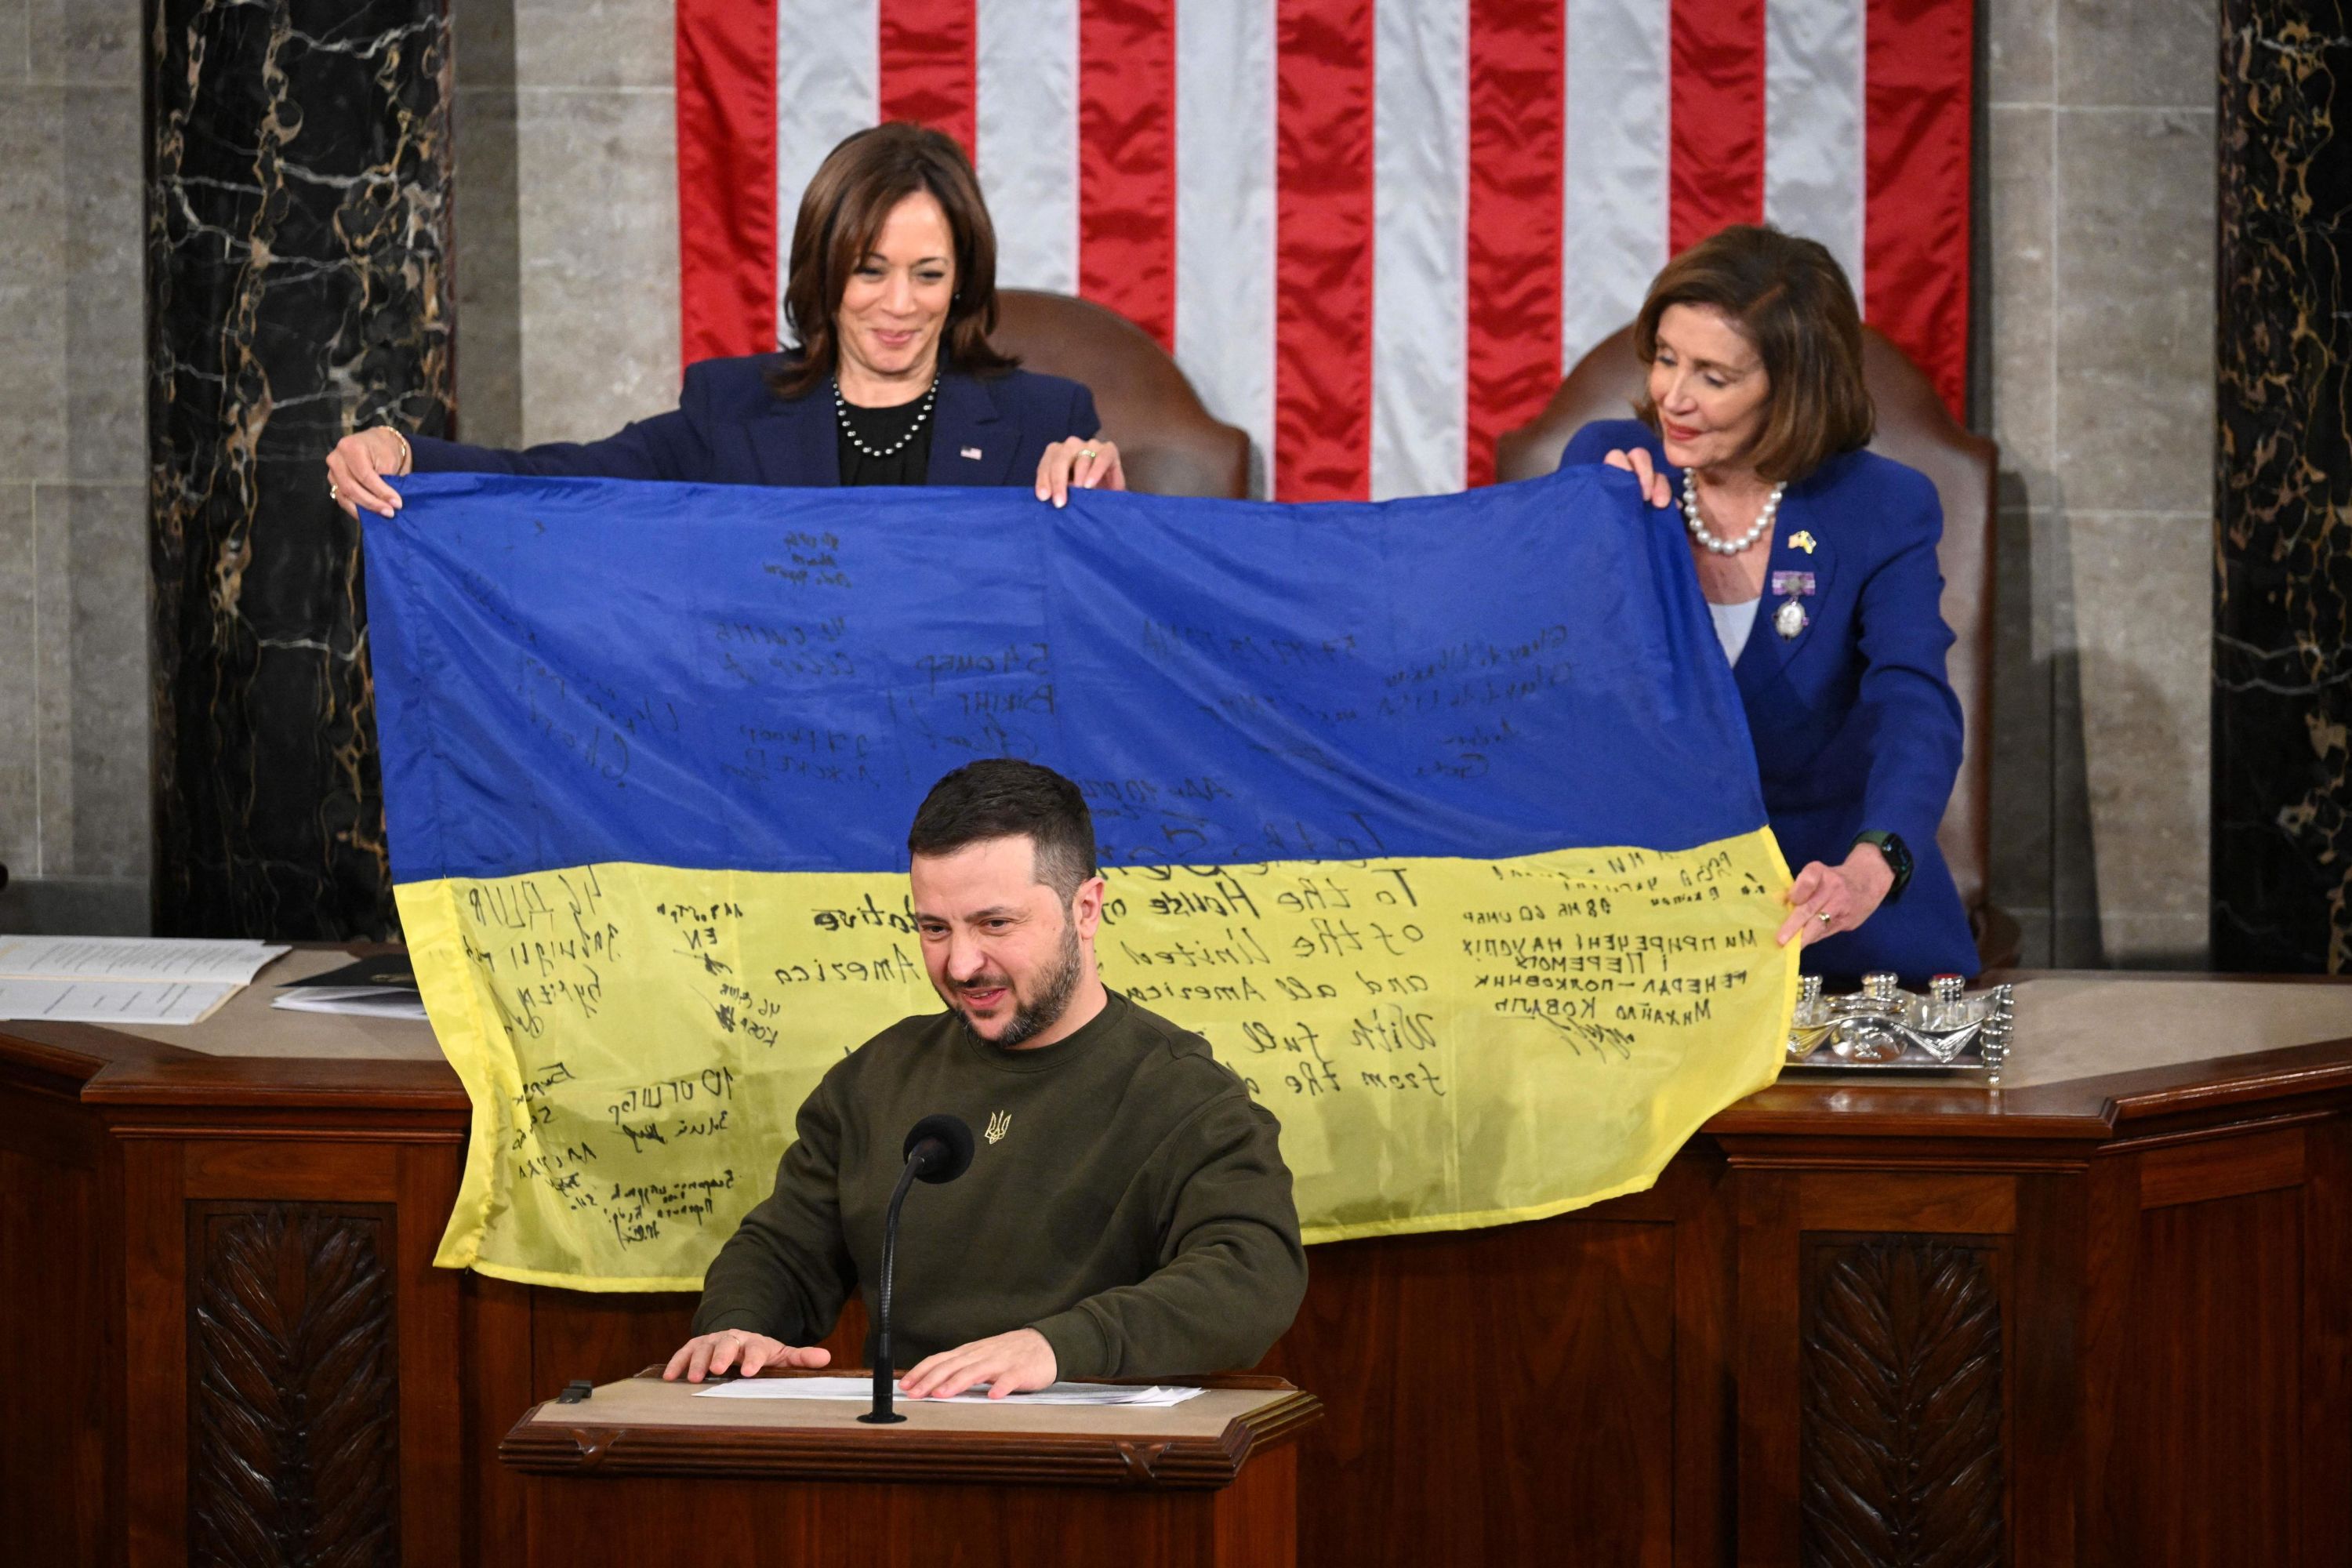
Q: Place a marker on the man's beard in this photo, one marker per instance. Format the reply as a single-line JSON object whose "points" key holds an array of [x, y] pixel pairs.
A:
{"points": [[1056, 987]]}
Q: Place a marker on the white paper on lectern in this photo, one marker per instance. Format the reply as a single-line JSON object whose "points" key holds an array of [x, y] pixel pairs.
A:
{"points": [[132, 1002], [861, 1391], [189, 959]]}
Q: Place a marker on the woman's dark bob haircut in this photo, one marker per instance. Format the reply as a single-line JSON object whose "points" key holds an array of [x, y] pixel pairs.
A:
{"points": [[1791, 299], [840, 221]]}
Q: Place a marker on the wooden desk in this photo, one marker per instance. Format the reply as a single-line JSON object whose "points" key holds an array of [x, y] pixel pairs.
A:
{"points": [[2105, 1312], [646, 1473]]}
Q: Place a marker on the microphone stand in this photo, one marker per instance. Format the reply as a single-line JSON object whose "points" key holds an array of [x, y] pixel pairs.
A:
{"points": [[885, 1380]]}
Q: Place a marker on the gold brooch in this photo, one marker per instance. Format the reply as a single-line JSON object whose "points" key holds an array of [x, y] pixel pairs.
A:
{"points": [[998, 1126], [1801, 540]]}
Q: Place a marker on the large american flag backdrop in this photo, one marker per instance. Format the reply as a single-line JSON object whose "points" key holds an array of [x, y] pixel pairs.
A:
{"points": [[1373, 232]]}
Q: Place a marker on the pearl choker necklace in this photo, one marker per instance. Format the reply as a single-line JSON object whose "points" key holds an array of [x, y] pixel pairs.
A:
{"points": [[1727, 546], [841, 414]]}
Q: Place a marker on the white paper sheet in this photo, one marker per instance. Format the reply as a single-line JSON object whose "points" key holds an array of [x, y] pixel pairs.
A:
{"points": [[192, 959], [112, 1001], [861, 1391]]}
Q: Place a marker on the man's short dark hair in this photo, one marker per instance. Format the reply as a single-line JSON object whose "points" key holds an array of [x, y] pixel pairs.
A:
{"points": [[1000, 797]]}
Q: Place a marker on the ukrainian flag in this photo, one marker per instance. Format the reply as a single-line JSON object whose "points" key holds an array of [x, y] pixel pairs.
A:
{"points": [[1437, 817]]}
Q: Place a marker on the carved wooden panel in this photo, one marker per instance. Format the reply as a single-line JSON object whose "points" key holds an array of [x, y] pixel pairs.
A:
{"points": [[293, 1397], [1901, 1415]]}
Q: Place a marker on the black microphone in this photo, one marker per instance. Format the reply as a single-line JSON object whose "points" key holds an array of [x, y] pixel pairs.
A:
{"points": [[939, 1149]]}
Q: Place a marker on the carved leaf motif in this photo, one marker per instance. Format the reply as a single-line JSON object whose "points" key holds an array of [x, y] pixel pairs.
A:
{"points": [[293, 1399], [1902, 1463]]}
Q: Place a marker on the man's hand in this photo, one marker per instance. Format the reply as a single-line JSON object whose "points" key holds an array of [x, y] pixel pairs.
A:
{"points": [[714, 1353], [1009, 1364]]}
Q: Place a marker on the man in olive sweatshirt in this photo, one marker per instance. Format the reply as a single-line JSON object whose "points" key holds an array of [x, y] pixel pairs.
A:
{"points": [[1127, 1214]]}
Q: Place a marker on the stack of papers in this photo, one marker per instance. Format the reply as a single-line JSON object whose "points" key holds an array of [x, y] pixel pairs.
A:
{"points": [[380, 987], [861, 1391], [132, 980]]}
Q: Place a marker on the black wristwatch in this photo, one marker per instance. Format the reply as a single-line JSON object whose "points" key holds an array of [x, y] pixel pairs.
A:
{"points": [[1898, 858]]}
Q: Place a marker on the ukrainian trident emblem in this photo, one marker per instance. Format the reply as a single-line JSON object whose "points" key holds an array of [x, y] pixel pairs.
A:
{"points": [[999, 1125]]}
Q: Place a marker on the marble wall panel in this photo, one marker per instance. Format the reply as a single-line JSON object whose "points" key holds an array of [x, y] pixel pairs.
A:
{"points": [[2282, 780], [486, 223], [94, 613], [52, 675], [32, 281], [2142, 600], [2074, 715], [85, 41], [2020, 46], [2145, 54], [299, 184], [20, 820], [2135, 317], [73, 791], [104, 261], [599, 295], [2021, 248], [592, 44], [2099, 158], [2021, 803]]}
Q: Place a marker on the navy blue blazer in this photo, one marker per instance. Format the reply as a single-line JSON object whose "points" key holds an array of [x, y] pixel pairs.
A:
{"points": [[1854, 725], [729, 429]]}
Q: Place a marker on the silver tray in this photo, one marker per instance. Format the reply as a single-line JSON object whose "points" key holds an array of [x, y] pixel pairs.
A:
{"points": [[1884, 1030]]}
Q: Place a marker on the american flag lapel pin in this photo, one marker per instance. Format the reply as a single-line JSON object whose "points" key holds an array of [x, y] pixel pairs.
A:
{"points": [[972, 452]]}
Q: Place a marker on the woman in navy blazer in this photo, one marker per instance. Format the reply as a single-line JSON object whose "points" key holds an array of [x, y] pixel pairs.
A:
{"points": [[1817, 561], [892, 294]]}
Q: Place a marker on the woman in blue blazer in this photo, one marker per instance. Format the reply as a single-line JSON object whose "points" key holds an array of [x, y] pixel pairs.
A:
{"points": [[892, 294], [1817, 560]]}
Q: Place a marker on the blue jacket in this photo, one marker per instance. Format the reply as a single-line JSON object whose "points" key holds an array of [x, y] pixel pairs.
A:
{"points": [[729, 429], [1855, 726]]}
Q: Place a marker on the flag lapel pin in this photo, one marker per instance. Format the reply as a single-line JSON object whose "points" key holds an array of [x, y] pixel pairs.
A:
{"points": [[972, 452]]}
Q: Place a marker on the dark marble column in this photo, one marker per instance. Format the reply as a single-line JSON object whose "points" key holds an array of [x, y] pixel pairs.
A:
{"points": [[2282, 603], [299, 288]]}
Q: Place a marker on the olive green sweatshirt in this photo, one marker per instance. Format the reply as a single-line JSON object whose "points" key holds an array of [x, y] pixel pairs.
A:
{"points": [[1126, 1199]]}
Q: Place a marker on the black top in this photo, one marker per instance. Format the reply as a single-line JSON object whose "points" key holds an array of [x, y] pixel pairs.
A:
{"points": [[731, 429], [880, 428], [1130, 1203]]}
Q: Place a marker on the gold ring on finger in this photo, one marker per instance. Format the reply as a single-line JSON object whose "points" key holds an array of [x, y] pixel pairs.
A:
{"points": [[1089, 452], [334, 492], [1823, 917]]}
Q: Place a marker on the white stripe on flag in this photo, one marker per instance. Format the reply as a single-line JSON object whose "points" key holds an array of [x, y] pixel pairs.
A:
{"points": [[1613, 233], [1225, 212], [1028, 135], [1815, 177], [1421, 135], [828, 85]]}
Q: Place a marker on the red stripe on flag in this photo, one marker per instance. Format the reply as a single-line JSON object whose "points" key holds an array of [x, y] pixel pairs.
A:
{"points": [[1323, 250], [929, 55], [1715, 109], [1918, 78], [1518, 123], [1126, 161], [727, 285]]}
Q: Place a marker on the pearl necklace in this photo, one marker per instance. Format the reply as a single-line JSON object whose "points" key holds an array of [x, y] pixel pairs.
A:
{"points": [[840, 412], [1727, 546]]}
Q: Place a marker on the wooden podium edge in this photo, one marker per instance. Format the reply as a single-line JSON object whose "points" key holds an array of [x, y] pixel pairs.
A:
{"points": [[584, 1447]]}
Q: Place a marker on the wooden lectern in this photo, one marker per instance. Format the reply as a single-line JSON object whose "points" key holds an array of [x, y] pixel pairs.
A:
{"points": [[645, 1473]]}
